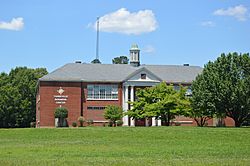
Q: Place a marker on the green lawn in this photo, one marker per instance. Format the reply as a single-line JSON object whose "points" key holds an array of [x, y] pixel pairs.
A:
{"points": [[125, 146]]}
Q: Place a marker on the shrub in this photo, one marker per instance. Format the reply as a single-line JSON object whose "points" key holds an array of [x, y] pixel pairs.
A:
{"points": [[32, 124], [119, 122], [90, 122], [220, 123], [74, 124], [177, 123], [81, 120], [113, 113], [61, 113], [110, 124]]}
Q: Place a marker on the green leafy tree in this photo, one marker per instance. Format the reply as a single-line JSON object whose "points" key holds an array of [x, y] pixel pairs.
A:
{"points": [[96, 61], [61, 113], [202, 107], [113, 113], [18, 96], [160, 101], [120, 60], [226, 87]]}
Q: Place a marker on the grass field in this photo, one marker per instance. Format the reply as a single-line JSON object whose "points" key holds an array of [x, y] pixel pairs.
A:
{"points": [[125, 146]]}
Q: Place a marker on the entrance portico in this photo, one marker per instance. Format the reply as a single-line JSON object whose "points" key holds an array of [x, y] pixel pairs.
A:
{"points": [[141, 79]]}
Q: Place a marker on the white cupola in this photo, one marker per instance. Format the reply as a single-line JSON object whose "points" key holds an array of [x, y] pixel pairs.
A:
{"points": [[134, 55]]}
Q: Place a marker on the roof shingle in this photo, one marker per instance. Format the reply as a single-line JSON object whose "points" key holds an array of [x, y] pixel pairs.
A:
{"points": [[118, 72]]}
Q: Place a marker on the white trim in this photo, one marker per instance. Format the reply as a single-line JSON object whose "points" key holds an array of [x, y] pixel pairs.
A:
{"points": [[100, 121], [184, 121], [125, 108], [140, 83], [90, 99], [132, 121]]}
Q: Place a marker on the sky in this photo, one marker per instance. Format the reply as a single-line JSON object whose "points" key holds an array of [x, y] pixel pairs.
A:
{"points": [[45, 33]]}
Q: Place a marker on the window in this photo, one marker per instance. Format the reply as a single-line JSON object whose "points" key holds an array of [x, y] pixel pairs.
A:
{"points": [[143, 76], [177, 87], [102, 92], [189, 91], [95, 108]]}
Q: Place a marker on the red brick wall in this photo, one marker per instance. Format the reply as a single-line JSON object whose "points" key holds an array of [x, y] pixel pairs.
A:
{"points": [[38, 110], [185, 121], [229, 122], [47, 103], [47, 90], [97, 115]]}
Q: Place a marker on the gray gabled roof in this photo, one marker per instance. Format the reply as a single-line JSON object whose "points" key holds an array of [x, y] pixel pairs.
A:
{"points": [[90, 72], [175, 73], [142, 69], [119, 72]]}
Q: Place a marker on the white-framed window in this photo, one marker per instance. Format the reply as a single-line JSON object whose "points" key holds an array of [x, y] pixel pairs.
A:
{"points": [[143, 76], [177, 87], [96, 108], [189, 91], [102, 92]]}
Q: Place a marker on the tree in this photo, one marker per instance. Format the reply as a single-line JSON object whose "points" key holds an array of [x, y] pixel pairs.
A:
{"points": [[226, 87], [120, 60], [160, 101], [96, 61], [18, 96], [113, 113], [61, 113], [202, 108]]}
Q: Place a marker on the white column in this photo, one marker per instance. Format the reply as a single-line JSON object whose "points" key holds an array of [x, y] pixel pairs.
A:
{"points": [[146, 122], [215, 121], [153, 121], [132, 121], [125, 105], [159, 122]]}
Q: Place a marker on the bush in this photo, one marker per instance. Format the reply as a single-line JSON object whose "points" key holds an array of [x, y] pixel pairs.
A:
{"points": [[119, 122], [110, 124], [220, 123], [61, 113], [113, 113], [32, 124], [90, 122], [81, 120], [74, 124], [177, 123]]}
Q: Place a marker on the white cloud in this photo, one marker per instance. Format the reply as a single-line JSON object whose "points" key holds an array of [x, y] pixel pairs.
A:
{"points": [[208, 24], [149, 49], [126, 22], [15, 24], [239, 12]]}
